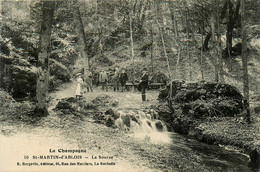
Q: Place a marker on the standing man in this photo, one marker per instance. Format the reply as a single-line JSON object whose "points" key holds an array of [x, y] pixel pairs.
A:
{"points": [[88, 80], [116, 79], [96, 78], [123, 78], [143, 85], [103, 79]]}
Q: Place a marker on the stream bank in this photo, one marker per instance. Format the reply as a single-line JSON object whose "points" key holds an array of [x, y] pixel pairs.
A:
{"points": [[86, 123], [219, 129], [211, 113]]}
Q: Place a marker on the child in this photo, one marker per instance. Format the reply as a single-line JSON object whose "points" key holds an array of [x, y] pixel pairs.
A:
{"points": [[79, 84]]}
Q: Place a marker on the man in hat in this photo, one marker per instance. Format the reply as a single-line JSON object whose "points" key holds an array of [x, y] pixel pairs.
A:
{"points": [[123, 78], [88, 80], [116, 79], [143, 85], [103, 78]]}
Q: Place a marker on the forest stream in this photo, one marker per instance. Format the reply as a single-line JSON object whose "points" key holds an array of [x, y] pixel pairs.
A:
{"points": [[142, 148]]}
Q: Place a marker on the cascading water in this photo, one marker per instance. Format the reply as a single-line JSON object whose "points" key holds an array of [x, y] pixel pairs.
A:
{"points": [[143, 125], [147, 127]]}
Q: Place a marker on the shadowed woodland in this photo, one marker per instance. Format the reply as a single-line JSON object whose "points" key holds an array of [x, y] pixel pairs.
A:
{"points": [[202, 58]]}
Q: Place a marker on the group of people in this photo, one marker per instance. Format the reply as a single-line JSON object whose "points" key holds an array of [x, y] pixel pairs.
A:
{"points": [[119, 79]]}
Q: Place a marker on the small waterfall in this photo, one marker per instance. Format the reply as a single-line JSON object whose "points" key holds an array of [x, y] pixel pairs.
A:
{"points": [[120, 123], [143, 125]]}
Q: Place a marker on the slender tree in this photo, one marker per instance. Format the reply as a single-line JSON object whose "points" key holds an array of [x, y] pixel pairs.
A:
{"points": [[221, 18], [176, 36], [161, 31], [220, 60], [201, 59], [244, 61], [131, 34], [188, 45], [82, 44], [212, 21], [232, 19], [42, 84], [152, 59]]}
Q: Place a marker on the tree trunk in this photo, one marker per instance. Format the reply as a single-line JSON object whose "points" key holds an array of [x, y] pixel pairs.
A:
{"points": [[142, 15], [221, 17], [220, 64], [244, 61], [152, 49], [82, 44], [176, 35], [168, 66], [232, 18], [212, 21], [201, 59], [42, 84], [161, 30], [131, 36], [188, 46], [206, 41]]}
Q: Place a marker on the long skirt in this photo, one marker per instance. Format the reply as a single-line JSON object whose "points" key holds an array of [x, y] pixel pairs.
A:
{"points": [[78, 90]]}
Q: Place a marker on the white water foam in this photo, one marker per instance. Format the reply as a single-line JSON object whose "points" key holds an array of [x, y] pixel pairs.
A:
{"points": [[143, 126]]}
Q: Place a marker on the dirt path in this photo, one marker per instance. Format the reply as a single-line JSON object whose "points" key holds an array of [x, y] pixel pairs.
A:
{"points": [[127, 100], [70, 132]]}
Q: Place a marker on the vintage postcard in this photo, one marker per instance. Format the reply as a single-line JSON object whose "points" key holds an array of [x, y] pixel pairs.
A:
{"points": [[129, 85]]}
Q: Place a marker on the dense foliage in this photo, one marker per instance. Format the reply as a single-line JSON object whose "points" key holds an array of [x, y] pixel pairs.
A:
{"points": [[121, 33]]}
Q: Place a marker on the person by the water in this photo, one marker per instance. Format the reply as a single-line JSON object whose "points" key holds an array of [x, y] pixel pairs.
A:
{"points": [[143, 85], [79, 86], [88, 80], [116, 79], [123, 78], [103, 78]]}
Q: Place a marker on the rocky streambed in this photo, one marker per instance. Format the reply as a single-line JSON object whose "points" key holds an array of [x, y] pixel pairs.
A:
{"points": [[212, 113], [208, 112]]}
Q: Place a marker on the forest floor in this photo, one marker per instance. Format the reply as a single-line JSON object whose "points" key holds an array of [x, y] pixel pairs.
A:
{"points": [[71, 132]]}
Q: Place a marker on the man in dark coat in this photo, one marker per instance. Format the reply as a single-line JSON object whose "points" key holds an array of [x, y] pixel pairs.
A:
{"points": [[123, 78], [143, 85], [88, 80], [116, 80]]}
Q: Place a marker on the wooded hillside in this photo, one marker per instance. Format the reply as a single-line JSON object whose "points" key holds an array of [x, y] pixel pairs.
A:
{"points": [[200, 39]]}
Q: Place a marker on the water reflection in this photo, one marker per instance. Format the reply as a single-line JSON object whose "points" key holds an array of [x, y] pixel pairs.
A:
{"points": [[149, 128], [213, 156]]}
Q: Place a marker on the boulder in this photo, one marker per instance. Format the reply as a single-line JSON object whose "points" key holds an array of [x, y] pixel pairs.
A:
{"points": [[110, 122], [113, 113], [205, 99], [159, 126], [66, 106], [126, 120]]}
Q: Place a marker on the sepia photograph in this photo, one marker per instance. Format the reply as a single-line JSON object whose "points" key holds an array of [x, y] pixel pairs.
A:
{"points": [[129, 86]]}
